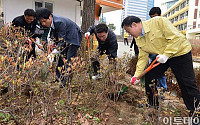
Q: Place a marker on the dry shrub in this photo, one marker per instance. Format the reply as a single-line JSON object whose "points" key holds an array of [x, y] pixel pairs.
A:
{"points": [[29, 94], [195, 47], [132, 65]]}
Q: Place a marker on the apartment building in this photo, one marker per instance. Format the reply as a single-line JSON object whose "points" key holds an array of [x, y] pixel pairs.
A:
{"points": [[184, 15]]}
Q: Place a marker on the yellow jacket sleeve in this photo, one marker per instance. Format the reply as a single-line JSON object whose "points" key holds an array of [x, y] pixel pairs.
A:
{"points": [[143, 59]]}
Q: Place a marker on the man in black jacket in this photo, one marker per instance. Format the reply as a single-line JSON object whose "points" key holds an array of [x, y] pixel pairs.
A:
{"points": [[28, 22], [107, 44]]}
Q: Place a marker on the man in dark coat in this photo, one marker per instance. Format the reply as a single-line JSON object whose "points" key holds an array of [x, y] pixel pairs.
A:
{"points": [[107, 44], [67, 35], [28, 22]]}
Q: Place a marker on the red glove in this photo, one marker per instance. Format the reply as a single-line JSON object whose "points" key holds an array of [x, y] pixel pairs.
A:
{"points": [[134, 80]]}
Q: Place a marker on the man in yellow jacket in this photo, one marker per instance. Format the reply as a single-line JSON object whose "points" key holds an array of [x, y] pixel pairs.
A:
{"points": [[159, 36]]}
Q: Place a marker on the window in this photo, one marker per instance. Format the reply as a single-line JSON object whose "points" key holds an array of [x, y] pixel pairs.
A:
{"points": [[38, 5], [172, 20], [173, 11], [187, 2], [182, 16], [48, 5], [168, 14], [195, 14], [176, 19], [185, 26], [183, 5], [177, 8], [196, 2], [186, 14], [194, 25]]}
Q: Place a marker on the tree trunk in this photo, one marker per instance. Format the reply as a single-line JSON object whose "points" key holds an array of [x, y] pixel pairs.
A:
{"points": [[88, 17]]}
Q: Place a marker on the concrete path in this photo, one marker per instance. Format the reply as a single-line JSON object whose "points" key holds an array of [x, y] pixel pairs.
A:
{"points": [[122, 49]]}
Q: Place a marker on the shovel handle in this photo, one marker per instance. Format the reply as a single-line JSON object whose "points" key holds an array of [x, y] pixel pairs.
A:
{"points": [[88, 44], [149, 68]]}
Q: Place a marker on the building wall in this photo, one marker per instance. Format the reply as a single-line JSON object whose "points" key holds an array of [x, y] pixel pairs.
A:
{"points": [[66, 8], [149, 6], [166, 5], [139, 8], [178, 15], [188, 17], [193, 27]]}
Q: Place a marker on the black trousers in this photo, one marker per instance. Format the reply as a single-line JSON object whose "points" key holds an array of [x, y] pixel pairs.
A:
{"points": [[125, 41], [32, 52], [68, 53], [182, 67]]}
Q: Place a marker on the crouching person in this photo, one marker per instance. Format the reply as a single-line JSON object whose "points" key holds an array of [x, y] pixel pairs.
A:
{"points": [[107, 44], [67, 35]]}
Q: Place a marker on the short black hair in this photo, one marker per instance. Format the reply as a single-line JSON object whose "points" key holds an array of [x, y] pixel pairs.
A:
{"points": [[100, 28], [29, 12], [155, 10], [129, 20], [43, 13]]}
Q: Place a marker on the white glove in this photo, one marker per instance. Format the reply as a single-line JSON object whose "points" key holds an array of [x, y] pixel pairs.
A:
{"points": [[88, 33], [52, 55], [134, 80], [162, 58]]}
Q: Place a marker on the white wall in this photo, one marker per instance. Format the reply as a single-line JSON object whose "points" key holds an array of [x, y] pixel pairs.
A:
{"points": [[66, 8], [191, 14], [13, 8], [191, 33]]}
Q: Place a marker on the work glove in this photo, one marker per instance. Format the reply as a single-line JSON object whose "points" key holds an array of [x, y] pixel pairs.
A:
{"points": [[52, 55], [134, 80], [87, 34], [162, 58]]}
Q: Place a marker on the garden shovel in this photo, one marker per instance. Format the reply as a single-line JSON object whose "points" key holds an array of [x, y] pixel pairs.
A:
{"points": [[112, 95], [88, 46]]}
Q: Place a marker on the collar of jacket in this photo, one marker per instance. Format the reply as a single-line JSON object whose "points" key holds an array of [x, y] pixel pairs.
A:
{"points": [[145, 26], [145, 30], [52, 24]]}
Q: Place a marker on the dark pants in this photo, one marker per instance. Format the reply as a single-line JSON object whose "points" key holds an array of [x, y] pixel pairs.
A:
{"points": [[96, 64], [182, 67], [67, 53], [125, 41], [32, 52]]}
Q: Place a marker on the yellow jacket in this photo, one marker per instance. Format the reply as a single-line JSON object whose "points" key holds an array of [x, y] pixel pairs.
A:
{"points": [[126, 35], [160, 37]]}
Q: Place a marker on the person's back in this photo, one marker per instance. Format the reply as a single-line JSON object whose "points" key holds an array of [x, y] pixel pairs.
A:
{"points": [[66, 29]]}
